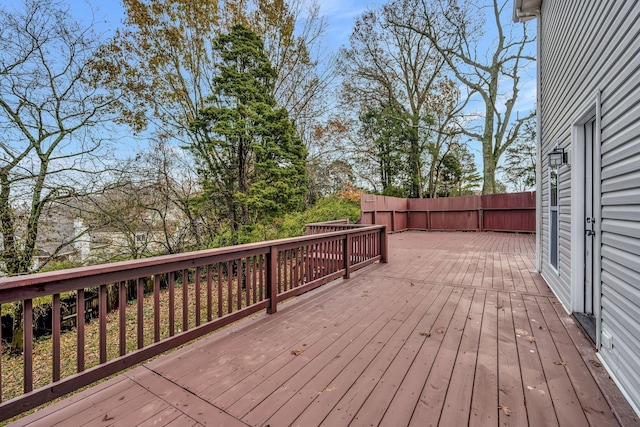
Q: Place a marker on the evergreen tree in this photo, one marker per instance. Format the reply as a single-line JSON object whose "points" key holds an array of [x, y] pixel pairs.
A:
{"points": [[250, 157]]}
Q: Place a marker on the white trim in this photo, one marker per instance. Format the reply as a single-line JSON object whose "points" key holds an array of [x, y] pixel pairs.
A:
{"points": [[597, 244], [538, 149], [553, 290], [613, 374], [552, 225], [578, 174]]}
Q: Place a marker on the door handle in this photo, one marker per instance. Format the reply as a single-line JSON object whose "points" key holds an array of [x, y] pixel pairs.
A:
{"points": [[590, 232]]}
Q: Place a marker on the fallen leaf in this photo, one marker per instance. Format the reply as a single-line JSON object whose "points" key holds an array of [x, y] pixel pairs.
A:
{"points": [[336, 324], [107, 417], [413, 284], [531, 339], [499, 306], [522, 332], [297, 352], [560, 363], [505, 409], [440, 331], [425, 334], [595, 363], [541, 328]]}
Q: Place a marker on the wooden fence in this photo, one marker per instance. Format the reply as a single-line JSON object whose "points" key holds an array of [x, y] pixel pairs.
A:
{"points": [[514, 212], [191, 294]]}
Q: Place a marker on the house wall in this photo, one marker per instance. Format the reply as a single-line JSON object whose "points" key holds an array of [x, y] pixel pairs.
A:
{"points": [[586, 47]]}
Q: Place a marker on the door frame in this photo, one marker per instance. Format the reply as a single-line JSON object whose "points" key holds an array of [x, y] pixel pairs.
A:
{"points": [[578, 174]]}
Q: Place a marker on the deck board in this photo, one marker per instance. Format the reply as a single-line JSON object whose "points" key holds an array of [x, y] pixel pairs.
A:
{"points": [[455, 327]]}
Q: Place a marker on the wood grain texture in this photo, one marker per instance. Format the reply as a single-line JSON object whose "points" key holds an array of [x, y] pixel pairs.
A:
{"points": [[454, 330]]}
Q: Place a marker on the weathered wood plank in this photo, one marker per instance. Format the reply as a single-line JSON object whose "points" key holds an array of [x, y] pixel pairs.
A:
{"points": [[484, 399], [336, 322], [456, 407], [540, 409], [181, 399], [301, 390], [340, 406], [595, 405], [433, 394], [510, 393], [404, 402]]}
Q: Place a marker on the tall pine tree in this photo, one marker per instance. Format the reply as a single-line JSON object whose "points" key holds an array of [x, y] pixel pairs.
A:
{"points": [[251, 159]]}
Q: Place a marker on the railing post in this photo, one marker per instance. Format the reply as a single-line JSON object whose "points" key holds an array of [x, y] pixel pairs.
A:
{"points": [[393, 220], [384, 245], [347, 256], [272, 280]]}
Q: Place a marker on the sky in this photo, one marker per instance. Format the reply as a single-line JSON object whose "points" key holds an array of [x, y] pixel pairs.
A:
{"points": [[108, 15]]}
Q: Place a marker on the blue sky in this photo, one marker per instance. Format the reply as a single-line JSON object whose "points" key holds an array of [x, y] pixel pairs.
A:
{"points": [[108, 15]]}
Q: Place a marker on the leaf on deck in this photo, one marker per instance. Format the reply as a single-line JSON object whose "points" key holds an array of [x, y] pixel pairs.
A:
{"points": [[505, 409], [595, 363]]}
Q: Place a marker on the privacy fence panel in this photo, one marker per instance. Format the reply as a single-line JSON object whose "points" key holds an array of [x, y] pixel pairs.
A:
{"points": [[497, 212]]}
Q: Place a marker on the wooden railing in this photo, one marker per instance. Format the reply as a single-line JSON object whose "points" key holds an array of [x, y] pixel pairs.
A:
{"points": [[496, 212], [187, 295], [330, 226]]}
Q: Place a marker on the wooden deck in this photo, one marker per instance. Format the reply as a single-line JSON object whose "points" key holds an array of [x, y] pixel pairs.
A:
{"points": [[455, 330]]}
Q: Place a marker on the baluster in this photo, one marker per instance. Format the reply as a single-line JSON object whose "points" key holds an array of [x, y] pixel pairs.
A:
{"points": [[27, 334], [197, 285], [238, 264], [185, 300], [156, 308], [122, 316], [80, 329], [140, 302], [262, 260], [102, 310], [172, 303], [209, 293], [247, 281], [254, 263], [55, 326], [219, 289], [229, 288]]}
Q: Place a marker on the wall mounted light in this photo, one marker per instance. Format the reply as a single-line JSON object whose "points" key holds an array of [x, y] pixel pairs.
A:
{"points": [[557, 157]]}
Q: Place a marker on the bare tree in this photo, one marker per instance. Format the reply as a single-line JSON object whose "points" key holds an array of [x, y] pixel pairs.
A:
{"points": [[519, 168], [393, 74], [52, 113], [454, 28], [165, 54], [294, 33]]}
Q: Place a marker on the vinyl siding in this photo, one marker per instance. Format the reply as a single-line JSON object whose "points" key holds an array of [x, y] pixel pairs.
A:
{"points": [[586, 46]]}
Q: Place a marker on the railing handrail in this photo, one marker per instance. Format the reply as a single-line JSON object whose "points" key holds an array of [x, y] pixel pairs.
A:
{"points": [[253, 277], [168, 261]]}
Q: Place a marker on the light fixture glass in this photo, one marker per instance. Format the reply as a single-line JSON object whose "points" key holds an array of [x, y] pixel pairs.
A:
{"points": [[557, 157]]}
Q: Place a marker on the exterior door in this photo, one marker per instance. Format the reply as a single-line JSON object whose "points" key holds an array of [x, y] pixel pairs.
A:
{"points": [[587, 317]]}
